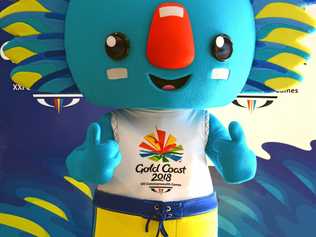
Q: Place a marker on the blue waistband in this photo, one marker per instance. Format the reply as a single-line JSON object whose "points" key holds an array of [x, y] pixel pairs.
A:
{"points": [[155, 210]]}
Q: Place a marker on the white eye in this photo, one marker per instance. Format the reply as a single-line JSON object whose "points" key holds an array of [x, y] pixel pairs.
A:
{"points": [[3, 56], [221, 47], [220, 41], [111, 41]]}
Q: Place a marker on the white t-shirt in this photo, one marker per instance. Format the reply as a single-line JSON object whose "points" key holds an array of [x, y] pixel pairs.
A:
{"points": [[163, 155]]}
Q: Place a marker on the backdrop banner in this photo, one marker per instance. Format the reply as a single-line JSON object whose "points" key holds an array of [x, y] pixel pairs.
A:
{"points": [[38, 131]]}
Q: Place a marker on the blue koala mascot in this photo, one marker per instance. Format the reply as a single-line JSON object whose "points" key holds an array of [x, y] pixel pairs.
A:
{"points": [[160, 65]]}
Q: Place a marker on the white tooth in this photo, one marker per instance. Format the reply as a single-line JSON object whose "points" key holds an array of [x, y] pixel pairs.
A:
{"points": [[171, 11], [2, 54], [117, 73], [220, 74]]}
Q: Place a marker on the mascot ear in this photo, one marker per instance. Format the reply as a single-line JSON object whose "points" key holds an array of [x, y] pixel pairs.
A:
{"points": [[38, 45], [280, 27]]}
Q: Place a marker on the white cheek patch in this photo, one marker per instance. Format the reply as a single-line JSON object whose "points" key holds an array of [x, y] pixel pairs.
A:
{"points": [[220, 74], [117, 73], [171, 11]]}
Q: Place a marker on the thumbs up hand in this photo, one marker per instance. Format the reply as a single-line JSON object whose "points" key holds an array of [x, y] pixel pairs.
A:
{"points": [[94, 162], [239, 163]]}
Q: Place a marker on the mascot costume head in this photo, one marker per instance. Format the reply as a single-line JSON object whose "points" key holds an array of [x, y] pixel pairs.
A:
{"points": [[124, 54], [160, 65]]}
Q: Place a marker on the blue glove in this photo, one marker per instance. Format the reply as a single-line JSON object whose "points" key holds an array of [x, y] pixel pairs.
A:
{"points": [[237, 162], [94, 162]]}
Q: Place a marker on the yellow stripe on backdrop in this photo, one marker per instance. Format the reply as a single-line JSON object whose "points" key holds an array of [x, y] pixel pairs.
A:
{"points": [[288, 61], [18, 54], [287, 10], [32, 78], [81, 186], [282, 83], [47, 206], [292, 39], [23, 224], [23, 6], [21, 29]]}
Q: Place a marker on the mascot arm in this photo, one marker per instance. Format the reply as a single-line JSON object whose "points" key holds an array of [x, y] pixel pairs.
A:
{"points": [[229, 152], [97, 158]]}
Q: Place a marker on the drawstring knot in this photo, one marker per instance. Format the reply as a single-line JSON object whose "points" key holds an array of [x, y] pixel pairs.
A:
{"points": [[161, 214]]}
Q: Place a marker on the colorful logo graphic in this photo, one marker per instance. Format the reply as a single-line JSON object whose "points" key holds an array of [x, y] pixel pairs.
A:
{"points": [[161, 146], [253, 102], [58, 101]]}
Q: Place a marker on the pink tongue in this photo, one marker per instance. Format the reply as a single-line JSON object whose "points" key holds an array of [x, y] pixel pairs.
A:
{"points": [[169, 87]]}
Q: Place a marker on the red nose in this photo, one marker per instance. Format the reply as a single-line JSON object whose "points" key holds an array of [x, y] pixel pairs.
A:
{"points": [[170, 44]]}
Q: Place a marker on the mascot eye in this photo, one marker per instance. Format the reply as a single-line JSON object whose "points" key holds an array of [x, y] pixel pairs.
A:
{"points": [[117, 46], [222, 47]]}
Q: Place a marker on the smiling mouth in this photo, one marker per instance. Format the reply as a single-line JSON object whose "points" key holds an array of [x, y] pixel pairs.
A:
{"points": [[169, 85]]}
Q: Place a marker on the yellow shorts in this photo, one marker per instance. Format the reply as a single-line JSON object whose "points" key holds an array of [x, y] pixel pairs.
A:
{"points": [[112, 224]]}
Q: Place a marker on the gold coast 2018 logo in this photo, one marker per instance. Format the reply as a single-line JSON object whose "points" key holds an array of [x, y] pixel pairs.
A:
{"points": [[161, 147]]}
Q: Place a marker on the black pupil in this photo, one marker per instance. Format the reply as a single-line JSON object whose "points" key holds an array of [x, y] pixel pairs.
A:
{"points": [[117, 46], [222, 47]]}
